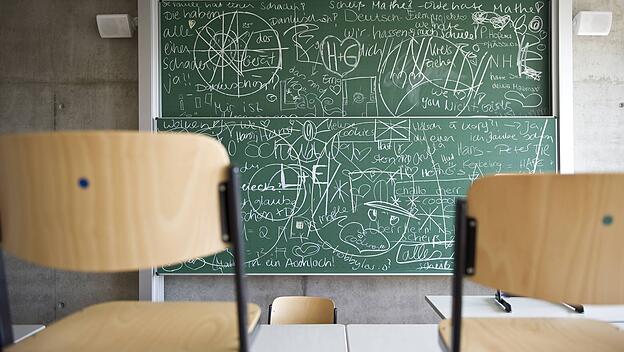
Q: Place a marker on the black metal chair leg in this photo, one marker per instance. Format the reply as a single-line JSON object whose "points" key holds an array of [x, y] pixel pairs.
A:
{"points": [[6, 330], [234, 227], [458, 275]]}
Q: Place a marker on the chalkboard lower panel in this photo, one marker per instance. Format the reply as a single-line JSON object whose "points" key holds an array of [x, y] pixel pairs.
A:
{"points": [[361, 195]]}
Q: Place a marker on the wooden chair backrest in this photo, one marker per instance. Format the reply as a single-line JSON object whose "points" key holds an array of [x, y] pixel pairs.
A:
{"points": [[554, 237], [110, 201], [302, 310]]}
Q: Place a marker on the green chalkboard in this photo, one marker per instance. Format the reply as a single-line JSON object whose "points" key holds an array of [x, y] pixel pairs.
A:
{"points": [[366, 58], [361, 195], [357, 124]]}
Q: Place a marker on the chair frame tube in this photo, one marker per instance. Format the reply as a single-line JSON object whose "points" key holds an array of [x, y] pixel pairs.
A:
{"points": [[460, 267], [269, 315], [234, 229], [6, 329]]}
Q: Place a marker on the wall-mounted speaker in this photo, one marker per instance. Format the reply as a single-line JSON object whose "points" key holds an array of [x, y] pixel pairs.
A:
{"points": [[592, 23], [115, 26]]}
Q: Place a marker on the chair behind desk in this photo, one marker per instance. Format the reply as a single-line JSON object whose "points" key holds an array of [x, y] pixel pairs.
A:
{"points": [[302, 310], [553, 237]]}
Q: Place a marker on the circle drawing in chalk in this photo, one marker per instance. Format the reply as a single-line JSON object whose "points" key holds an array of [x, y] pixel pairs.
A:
{"points": [[358, 98], [308, 129], [277, 193], [340, 56], [364, 240], [536, 24], [235, 61], [271, 98]]}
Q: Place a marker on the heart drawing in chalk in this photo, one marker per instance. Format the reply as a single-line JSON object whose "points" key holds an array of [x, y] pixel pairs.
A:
{"points": [[336, 89], [192, 23], [362, 191], [416, 80], [360, 154], [305, 250], [364, 240], [340, 56], [532, 100]]}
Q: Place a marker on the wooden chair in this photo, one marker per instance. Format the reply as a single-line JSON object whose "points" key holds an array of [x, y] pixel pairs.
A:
{"points": [[302, 310], [553, 237], [119, 201]]}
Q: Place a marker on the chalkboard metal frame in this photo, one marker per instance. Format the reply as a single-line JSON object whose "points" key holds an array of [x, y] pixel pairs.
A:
{"points": [[151, 286]]}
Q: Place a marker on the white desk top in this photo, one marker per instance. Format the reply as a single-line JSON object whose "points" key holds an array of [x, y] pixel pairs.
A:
{"points": [[376, 338], [21, 332], [300, 338], [485, 306], [611, 314]]}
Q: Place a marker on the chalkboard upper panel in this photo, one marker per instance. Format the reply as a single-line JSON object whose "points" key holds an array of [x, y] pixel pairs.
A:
{"points": [[360, 58]]}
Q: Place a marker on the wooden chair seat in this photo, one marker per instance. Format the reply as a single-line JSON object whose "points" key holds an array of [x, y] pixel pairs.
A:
{"points": [[144, 326], [529, 334]]}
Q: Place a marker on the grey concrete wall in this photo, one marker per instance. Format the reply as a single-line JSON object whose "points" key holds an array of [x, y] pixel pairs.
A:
{"points": [[56, 74], [360, 299], [598, 92], [51, 55]]}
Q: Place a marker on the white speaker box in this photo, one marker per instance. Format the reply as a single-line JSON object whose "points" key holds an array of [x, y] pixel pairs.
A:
{"points": [[592, 23], [115, 26]]}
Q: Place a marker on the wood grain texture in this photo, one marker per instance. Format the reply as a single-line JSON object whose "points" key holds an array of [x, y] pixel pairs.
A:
{"points": [[554, 237], [302, 310], [151, 199], [529, 335], [144, 326]]}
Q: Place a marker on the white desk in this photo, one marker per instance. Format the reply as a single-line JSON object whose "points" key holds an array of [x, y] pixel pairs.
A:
{"points": [[376, 338], [300, 338], [485, 306], [21, 332]]}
